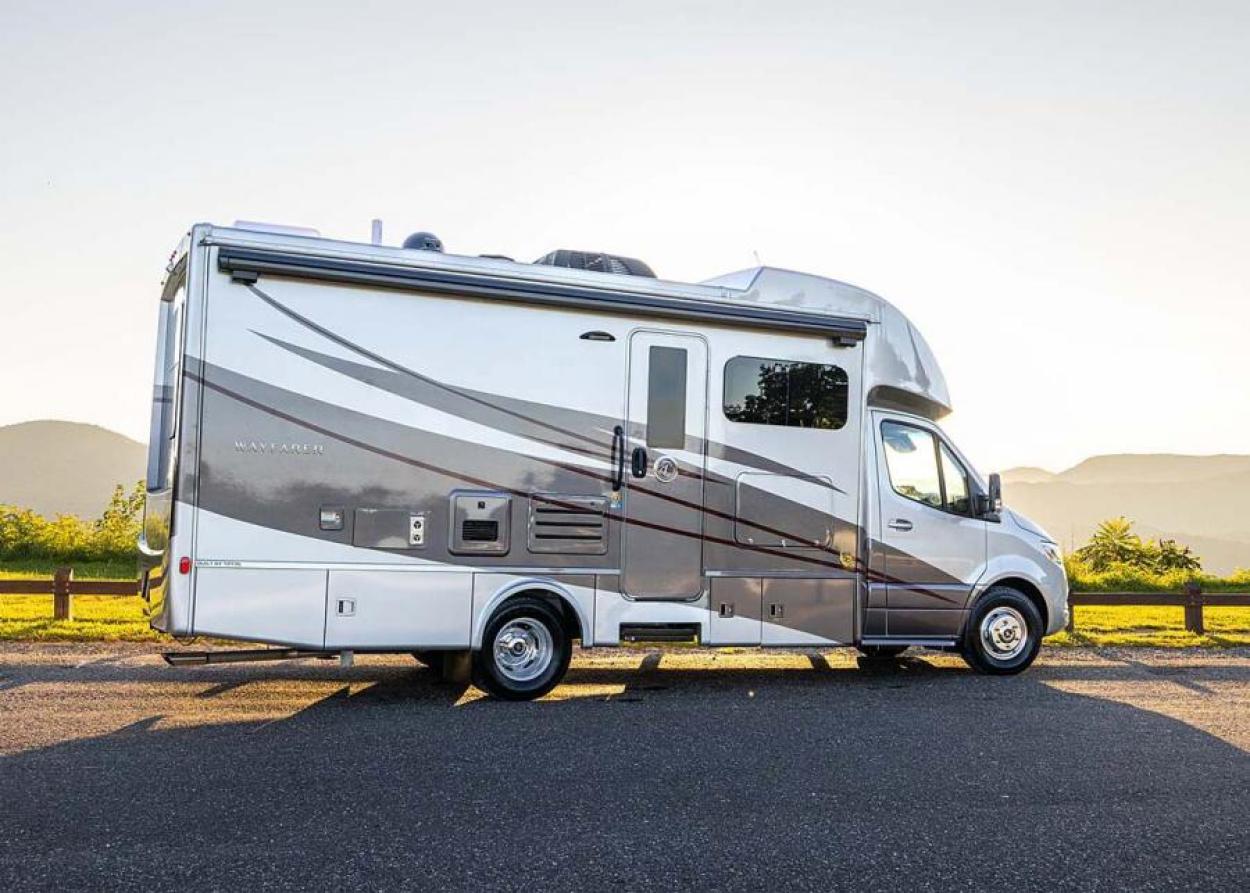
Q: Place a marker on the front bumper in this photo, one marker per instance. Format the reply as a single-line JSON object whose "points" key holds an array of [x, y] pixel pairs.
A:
{"points": [[1055, 591]]}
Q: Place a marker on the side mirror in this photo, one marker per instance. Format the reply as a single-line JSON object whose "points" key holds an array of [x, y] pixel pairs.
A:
{"points": [[993, 501]]}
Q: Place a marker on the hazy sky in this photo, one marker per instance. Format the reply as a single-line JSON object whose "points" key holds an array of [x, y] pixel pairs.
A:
{"points": [[1057, 193]]}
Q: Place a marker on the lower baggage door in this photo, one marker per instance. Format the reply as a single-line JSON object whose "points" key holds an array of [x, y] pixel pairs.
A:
{"points": [[808, 612]]}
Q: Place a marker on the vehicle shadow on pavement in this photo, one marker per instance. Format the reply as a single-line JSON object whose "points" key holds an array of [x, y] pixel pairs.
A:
{"points": [[386, 682], [414, 681], [742, 778]]}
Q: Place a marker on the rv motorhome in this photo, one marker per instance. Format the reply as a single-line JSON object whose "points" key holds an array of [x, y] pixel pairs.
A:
{"points": [[377, 449]]}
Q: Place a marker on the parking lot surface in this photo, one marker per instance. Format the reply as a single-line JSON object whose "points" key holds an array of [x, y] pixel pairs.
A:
{"points": [[756, 770]]}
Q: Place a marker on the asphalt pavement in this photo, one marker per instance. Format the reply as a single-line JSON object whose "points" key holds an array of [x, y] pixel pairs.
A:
{"points": [[1095, 770]]}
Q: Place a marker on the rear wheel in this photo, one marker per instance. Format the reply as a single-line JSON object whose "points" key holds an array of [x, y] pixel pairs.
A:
{"points": [[525, 651], [1004, 632]]}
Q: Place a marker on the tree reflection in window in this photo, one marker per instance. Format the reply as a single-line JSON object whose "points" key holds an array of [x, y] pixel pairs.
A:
{"points": [[761, 391]]}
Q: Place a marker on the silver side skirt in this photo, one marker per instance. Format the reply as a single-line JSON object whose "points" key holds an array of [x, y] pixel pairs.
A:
{"points": [[918, 641]]}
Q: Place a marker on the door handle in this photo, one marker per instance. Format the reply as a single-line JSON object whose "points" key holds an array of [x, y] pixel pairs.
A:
{"points": [[638, 462], [618, 457], [899, 524]]}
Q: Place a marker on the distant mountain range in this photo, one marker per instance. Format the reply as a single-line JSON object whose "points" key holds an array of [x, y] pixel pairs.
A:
{"points": [[1201, 501], [66, 467]]}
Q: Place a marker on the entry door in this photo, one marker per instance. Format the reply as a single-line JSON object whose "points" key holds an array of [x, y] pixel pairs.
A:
{"points": [[934, 548], [662, 553]]}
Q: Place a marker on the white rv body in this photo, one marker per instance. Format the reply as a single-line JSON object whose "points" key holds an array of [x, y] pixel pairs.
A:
{"points": [[371, 448]]}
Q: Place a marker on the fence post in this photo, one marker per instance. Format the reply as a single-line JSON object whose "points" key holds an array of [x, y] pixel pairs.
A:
{"points": [[1071, 628], [62, 600], [1193, 609]]}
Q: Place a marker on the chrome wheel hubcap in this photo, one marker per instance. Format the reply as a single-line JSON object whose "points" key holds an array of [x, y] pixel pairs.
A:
{"points": [[523, 649], [1004, 633]]}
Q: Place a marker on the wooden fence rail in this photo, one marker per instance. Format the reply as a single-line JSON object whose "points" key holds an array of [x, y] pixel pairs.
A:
{"points": [[63, 587], [1192, 599]]}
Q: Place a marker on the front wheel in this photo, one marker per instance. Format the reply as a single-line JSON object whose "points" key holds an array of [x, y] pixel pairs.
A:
{"points": [[525, 651], [1004, 632]]}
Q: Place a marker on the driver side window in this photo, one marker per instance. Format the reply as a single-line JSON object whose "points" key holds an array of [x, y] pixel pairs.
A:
{"points": [[922, 469], [911, 456]]}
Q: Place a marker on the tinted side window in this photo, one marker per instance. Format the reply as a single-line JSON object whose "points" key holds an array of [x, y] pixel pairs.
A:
{"points": [[912, 460], [666, 398], [761, 391]]}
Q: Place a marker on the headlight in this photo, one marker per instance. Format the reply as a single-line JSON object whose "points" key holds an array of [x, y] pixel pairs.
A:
{"points": [[1053, 552]]}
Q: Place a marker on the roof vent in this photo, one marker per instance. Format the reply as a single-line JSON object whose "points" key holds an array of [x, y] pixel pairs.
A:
{"points": [[424, 242], [596, 261]]}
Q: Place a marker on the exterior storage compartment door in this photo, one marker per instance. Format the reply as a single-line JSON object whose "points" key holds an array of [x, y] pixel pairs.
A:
{"points": [[663, 541], [736, 604], [279, 605], [398, 610], [809, 612]]}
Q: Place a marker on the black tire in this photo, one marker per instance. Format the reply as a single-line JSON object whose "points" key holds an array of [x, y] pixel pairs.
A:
{"points": [[1010, 607], [432, 659], [881, 652], [537, 623]]}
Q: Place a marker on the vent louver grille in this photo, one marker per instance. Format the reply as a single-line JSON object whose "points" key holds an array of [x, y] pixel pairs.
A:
{"points": [[568, 524]]}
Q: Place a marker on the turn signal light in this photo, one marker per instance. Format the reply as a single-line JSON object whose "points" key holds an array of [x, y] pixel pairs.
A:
{"points": [[184, 565]]}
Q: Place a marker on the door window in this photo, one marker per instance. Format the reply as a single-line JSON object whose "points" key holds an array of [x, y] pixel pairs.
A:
{"points": [[666, 398], [923, 469], [911, 456]]}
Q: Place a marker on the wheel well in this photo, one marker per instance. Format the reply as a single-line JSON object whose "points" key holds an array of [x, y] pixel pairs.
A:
{"points": [[1030, 591], [567, 613]]}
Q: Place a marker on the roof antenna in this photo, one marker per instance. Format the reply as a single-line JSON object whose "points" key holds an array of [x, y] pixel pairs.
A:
{"points": [[758, 262], [375, 232]]}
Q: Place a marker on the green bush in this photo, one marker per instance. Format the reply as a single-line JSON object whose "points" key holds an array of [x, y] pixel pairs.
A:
{"points": [[1118, 560], [25, 534], [1115, 545]]}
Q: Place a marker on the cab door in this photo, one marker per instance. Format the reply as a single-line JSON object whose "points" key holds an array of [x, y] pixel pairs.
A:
{"points": [[932, 547]]}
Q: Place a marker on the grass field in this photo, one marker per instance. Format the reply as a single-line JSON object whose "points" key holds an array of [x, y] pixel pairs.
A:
{"points": [[101, 618], [96, 618], [1157, 627]]}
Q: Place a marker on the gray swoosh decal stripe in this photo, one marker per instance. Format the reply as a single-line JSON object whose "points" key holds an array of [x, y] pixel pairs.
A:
{"points": [[398, 387], [390, 364], [594, 475], [481, 482], [398, 384], [788, 555], [494, 402]]}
